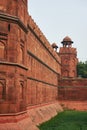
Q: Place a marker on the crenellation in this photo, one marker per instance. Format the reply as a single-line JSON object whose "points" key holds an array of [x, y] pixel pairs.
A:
{"points": [[41, 36]]}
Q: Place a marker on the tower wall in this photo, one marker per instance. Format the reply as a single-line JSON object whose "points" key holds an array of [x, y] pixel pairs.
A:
{"points": [[69, 61], [13, 68], [72, 90], [17, 8]]}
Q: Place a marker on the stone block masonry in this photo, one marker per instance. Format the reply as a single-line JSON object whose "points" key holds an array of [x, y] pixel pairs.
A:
{"points": [[29, 70], [73, 93]]}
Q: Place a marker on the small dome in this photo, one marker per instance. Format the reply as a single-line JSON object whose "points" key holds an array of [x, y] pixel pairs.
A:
{"points": [[67, 39], [54, 45]]}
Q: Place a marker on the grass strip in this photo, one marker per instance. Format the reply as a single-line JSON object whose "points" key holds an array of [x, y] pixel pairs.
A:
{"points": [[67, 120]]}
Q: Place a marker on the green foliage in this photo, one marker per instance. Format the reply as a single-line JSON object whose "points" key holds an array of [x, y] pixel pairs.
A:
{"points": [[82, 69], [67, 120]]}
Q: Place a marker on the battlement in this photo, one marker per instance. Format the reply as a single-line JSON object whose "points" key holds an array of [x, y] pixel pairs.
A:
{"points": [[36, 30], [65, 50]]}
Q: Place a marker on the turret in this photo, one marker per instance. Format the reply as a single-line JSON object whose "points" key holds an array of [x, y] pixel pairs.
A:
{"points": [[67, 42], [54, 46], [68, 56]]}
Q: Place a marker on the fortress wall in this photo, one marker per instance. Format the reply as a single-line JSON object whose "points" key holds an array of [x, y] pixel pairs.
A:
{"points": [[43, 67], [30, 119], [73, 89], [73, 93], [29, 79], [29, 70], [73, 82], [38, 45]]}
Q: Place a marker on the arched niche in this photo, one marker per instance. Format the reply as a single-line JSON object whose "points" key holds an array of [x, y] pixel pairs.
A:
{"points": [[2, 50], [21, 52], [21, 55], [21, 91], [2, 91], [66, 73]]}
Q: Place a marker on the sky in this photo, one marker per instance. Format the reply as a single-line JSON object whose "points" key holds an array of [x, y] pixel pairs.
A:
{"points": [[60, 18]]}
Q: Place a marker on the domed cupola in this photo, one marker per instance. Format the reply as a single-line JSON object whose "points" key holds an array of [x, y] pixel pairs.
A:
{"points": [[54, 46], [67, 42]]}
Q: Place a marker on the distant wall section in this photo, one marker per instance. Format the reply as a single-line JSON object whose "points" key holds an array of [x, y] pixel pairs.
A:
{"points": [[72, 93]]}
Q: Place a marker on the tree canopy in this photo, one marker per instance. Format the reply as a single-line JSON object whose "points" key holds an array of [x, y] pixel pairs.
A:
{"points": [[82, 69]]}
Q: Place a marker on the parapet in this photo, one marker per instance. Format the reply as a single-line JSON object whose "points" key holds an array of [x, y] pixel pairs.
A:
{"points": [[65, 50], [38, 33]]}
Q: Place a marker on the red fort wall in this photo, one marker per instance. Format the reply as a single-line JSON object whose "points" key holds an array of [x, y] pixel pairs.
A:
{"points": [[29, 70], [73, 93], [44, 67]]}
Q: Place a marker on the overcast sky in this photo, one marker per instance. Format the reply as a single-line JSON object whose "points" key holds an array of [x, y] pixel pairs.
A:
{"points": [[60, 18]]}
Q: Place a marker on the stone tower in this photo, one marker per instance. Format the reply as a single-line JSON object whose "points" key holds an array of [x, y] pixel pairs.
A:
{"points": [[13, 30], [68, 56]]}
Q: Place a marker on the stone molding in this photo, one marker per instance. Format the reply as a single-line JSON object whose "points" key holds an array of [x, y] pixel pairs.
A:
{"points": [[30, 53], [14, 19], [14, 64]]}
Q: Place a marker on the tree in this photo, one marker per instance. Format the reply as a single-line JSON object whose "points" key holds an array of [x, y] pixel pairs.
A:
{"points": [[82, 69]]}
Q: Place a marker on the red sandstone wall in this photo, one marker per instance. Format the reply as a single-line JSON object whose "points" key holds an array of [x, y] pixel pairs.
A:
{"points": [[29, 57], [44, 68], [11, 99], [29, 70], [13, 76], [13, 70], [15, 8], [40, 47], [69, 61], [73, 89]]}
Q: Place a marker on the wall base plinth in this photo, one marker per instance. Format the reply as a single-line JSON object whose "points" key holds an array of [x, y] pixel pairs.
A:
{"points": [[74, 105], [31, 118]]}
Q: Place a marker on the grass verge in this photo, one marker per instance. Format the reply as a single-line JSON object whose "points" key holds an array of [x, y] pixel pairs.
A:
{"points": [[67, 120]]}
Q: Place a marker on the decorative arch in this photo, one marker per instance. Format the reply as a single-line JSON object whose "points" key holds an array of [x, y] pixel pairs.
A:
{"points": [[21, 91], [21, 55], [66, 73], [73, 62], [2, 50], [2, 91], [66, 61], [73, 73], [21, 52]]}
